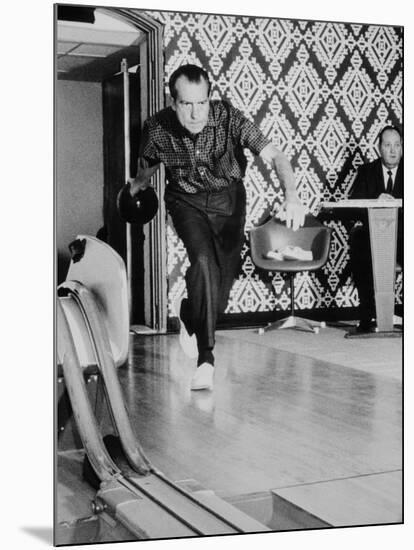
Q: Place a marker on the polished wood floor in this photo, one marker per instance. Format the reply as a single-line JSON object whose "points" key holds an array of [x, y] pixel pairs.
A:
{"points": [[326, 436], [274, 419]]}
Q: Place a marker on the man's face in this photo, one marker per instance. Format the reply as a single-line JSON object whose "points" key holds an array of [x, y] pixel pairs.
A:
{"points": [[391, 148], [192, 104]]}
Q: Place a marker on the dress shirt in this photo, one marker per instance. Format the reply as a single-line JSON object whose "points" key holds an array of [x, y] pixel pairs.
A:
{"points": [[385, 171], [208, 161]]}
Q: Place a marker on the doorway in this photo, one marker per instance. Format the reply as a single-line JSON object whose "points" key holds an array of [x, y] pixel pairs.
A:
{"points": [[127, 240], [91, 43]]}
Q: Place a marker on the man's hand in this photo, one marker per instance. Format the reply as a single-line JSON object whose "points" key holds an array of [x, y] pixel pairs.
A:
{"points": [[293, 211], [136, 184], [143, 177], [386, 197]]}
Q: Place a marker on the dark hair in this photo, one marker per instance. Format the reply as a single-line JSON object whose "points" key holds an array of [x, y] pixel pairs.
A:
{"points": [[385, 129], [193, 73]]}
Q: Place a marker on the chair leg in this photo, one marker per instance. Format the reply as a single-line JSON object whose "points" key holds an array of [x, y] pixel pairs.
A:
{"points": [[286, 322], [308, 324], [292, 321]]}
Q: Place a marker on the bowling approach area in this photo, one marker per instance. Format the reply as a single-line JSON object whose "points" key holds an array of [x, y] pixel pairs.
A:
{"points": [[301, 431]]}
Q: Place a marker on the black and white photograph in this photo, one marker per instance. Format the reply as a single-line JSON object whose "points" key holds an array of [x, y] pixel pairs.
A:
{"points": [[229, 229], [229, 257]]}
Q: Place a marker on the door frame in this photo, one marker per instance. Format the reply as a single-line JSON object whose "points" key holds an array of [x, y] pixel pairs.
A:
{"points": [[151, 101]]}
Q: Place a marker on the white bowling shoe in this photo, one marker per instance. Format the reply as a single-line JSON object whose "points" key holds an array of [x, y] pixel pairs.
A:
{"points": [[203, 377], [188, 343]]}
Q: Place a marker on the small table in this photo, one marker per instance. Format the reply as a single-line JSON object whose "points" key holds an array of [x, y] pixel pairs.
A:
{"points": [[382, 223]]}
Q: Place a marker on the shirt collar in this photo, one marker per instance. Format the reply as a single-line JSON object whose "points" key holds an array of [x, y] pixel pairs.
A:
{"points": [[393, 170]]}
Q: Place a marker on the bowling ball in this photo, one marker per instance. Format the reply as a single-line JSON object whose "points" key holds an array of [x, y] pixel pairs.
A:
{"points": [[141, 208]]}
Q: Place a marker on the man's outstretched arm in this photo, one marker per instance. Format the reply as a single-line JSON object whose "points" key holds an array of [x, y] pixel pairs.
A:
{"points": [[292, 208]]}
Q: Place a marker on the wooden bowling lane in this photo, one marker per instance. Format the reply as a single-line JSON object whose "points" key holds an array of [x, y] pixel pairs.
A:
{"points": [[274, 419], [364, 500]]}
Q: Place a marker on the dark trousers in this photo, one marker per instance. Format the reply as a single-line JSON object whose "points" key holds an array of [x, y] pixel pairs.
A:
{"points": [[361, 266], [211, 226]]}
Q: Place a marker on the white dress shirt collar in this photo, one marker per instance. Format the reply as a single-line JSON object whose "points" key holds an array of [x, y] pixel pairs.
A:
{"points": [[393, 174]]}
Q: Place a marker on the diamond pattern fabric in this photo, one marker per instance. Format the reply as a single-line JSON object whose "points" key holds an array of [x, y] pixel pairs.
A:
{"points": [[321, 92]]}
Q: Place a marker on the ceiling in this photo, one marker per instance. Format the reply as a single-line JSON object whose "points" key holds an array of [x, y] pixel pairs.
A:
{"points": [[92, 52]]}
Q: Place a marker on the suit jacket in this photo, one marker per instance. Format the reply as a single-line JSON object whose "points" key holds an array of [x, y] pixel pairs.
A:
{"points": [[369, 183]]}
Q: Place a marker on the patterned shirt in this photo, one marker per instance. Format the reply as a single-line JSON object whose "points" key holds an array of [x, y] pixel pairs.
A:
{"points": [[207, 161]]}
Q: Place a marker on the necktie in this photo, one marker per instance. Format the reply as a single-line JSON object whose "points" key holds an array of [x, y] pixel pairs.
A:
{"points": [[389, 183]]}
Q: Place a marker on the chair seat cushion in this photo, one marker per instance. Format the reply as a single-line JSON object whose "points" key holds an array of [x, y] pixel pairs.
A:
{"points": [[305, 249]]}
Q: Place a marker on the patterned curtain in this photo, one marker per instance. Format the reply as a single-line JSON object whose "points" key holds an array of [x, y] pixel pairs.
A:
{"points": [[322, 92]]}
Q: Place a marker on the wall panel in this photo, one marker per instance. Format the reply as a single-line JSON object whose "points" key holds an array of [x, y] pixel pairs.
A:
{"points": [[321, 91]]}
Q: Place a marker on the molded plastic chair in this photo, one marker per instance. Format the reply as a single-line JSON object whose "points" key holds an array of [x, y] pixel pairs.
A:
{"points": [[274, 235]]}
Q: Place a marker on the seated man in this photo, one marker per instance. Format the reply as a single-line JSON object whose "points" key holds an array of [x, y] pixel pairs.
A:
{"points": [[382, 178]]}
